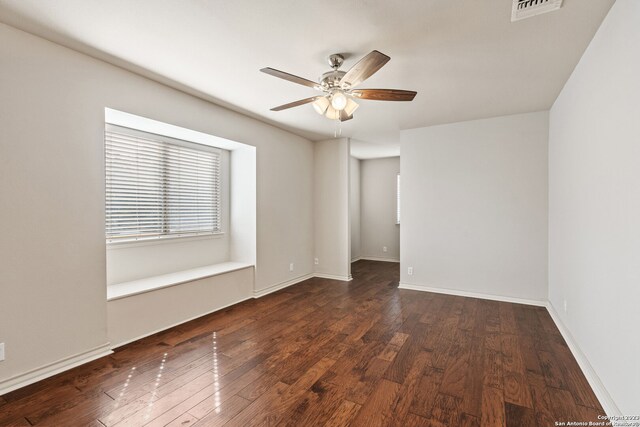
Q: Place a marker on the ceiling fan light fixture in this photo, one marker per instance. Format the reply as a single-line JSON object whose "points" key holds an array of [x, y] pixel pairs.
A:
{"points": [[339, 100], [351, 106], [321, 105], [332, 113]]}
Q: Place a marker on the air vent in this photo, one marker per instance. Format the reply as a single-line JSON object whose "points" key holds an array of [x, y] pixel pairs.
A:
{"points": [[523, 9]]}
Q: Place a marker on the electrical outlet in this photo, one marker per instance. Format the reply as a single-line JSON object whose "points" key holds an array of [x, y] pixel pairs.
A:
{"points": [[384, 249], [1, 351], [291, 267], [410, 271], [565, 306], [316, 261]]}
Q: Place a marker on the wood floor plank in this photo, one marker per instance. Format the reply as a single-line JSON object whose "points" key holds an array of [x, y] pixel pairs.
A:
{"points": [[42, 400], [426, 393], [412, 420], [409, 389], [493, 411], [542, 404], [493, 375], [588, 414], [447, 410], [467, 420], [18, 422], [184, 420], [219, 415], [328, 353], [516, 389], [562, 405], [492, 323], [80, 411], [257, 411], [279, 406], [201, 387], [343, 415], [529, 354], [472, 402], [316, 406], [358, 365], [507, 319], [391, 350], [456, 373], [519, 416], [378, 409], [401, 364], [361, 390], [551, 370]]}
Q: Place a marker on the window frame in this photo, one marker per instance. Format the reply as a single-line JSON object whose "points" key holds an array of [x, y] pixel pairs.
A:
{"points": [[398, 199]]}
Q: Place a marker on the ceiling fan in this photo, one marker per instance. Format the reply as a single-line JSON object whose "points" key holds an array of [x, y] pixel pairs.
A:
{"points": [[338, 99]]}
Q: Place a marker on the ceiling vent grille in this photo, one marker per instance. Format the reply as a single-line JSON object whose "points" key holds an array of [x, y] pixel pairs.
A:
{"points": [[523, 9]]}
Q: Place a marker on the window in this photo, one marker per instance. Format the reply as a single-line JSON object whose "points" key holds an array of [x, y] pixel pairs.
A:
{"points": [[158, 187], [398, 199]]}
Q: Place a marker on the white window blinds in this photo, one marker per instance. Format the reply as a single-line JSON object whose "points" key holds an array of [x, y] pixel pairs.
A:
{"points": [[157, 187]]}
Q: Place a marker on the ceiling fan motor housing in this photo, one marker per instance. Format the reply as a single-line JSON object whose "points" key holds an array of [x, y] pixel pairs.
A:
{"points": [[331, 79], [336, 60]]}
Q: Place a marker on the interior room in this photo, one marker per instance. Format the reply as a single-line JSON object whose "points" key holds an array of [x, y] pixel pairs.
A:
{"points": [[416, 213]]}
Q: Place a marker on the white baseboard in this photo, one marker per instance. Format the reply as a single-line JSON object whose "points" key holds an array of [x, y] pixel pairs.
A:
{"points": [[596, 384], [333, 277], [273, 288], [37, 374], [473, 295], [356, 259], [374, 258]]}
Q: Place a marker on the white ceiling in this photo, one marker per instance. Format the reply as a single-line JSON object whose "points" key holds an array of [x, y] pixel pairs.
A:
{"points": [[465, 58]]}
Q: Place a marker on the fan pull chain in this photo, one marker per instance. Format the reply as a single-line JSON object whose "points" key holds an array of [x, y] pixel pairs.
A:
{"points": [[338, 130]]}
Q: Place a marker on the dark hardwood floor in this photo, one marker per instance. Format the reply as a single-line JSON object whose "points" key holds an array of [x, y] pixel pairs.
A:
{"points": [[329, 353]]}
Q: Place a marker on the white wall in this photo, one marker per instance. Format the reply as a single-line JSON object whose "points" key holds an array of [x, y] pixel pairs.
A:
{"points": [[354, 206], [474, 206], [242, 213], [331, 208], [378, 208], [53, 290], [594, 204]]}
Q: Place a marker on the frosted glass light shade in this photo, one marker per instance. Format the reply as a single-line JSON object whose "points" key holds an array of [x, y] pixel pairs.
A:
{"points": [[332, 113], [339, 101], [321, 105], [351, 106]]}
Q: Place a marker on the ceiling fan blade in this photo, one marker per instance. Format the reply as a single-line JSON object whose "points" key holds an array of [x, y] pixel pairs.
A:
{"points": [[385, 94], [289, 77], [344, 116], [364, 69], [295, 103]]}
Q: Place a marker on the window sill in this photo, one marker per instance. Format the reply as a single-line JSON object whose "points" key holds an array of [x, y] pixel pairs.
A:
{"points": [[149, 284], [165, 240]]}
